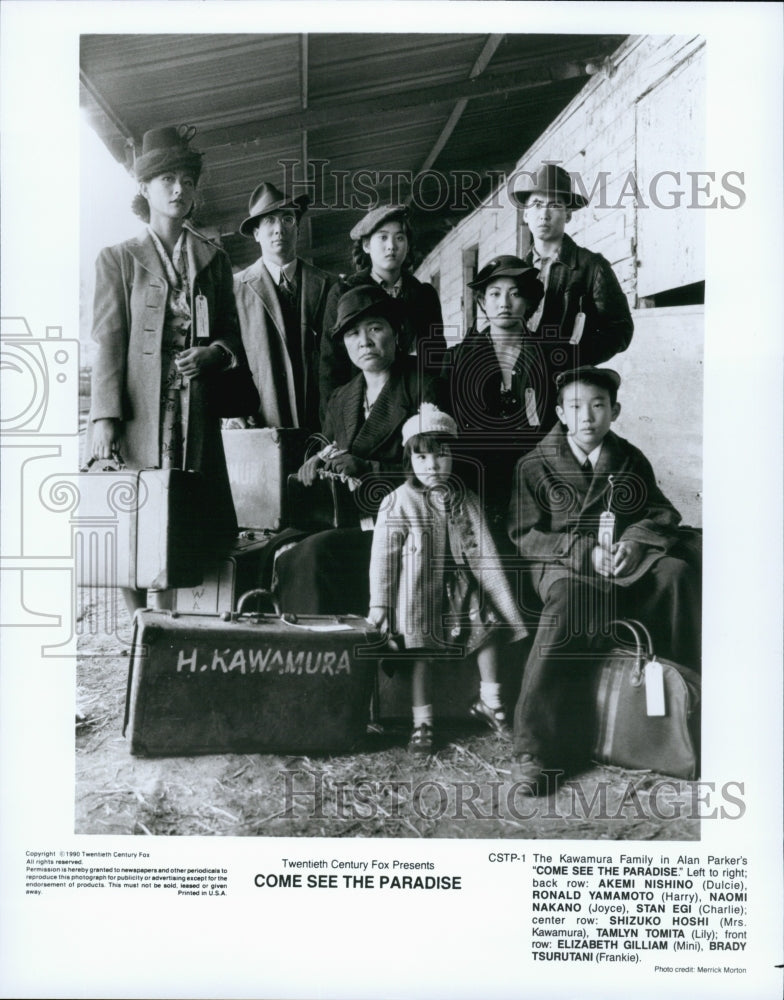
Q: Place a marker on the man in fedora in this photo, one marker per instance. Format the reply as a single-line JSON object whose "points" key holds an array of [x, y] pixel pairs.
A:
{"points": [[280, 301], [584, 317]]}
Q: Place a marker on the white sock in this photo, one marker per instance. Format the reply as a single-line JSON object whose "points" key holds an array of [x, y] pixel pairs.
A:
{"points": [[422, 714], [490, 693]]}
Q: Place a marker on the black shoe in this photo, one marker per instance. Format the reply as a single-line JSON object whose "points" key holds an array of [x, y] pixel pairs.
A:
{"points": [[421, 739], [495, 718], [528, 771]]}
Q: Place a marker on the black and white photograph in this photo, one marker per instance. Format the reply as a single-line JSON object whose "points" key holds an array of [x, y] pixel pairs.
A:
{"points": [[376, 408]]}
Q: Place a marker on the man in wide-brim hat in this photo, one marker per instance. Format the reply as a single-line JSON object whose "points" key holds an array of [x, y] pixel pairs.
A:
{"points": [[584, 307], [280, 301]]}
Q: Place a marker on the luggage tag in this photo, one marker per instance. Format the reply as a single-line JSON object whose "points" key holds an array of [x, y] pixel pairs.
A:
{"points": [[531, 414], [579, 326], [654, 688], [607, 520], [202, 330]]}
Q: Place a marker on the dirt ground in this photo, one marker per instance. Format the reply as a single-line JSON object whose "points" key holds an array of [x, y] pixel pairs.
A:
{"points": [[463, 790]]}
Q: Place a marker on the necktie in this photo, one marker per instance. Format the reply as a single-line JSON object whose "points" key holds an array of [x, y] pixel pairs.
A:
{"points": [[587, 470], [286, 289]]}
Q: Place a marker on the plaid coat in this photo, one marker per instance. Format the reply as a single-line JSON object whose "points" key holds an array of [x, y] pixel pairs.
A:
{"points": [[409, 557]]}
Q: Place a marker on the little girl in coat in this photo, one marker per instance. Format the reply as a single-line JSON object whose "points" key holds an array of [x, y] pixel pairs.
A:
{"points": [[436, 580]]}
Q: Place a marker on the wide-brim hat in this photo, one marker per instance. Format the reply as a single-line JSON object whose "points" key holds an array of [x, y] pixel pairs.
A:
{"points": [[507, 266], [167, 149], [365, 300], [429, 420], [606, 377], [267, 198], [369, 223], [553, 181]]}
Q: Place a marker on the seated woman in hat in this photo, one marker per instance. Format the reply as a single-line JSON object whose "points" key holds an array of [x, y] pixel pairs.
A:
{"points": [[327, 573], [500, 381], [165, 323], [381, 251]]}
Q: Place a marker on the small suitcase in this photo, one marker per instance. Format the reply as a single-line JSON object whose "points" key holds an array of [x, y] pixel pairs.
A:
{"points": [[225, 581], [139, 529], [240, 683], [260, 461]]}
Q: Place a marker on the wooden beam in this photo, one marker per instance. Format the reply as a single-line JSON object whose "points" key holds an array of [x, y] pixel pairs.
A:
{"points": [[487, 53], [344, 109]]}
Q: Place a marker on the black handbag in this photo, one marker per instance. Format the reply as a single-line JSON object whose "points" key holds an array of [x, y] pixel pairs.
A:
{"points": [[630, 684]]}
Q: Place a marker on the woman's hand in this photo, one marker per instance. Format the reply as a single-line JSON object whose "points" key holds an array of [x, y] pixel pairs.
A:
{"points": [[307, 472], [348, 465], [106, 437], [380, 618], [195, 360]]}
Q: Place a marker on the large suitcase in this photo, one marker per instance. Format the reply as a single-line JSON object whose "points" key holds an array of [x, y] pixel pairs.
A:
{"points": [[260, 461], [140, 529], [242, 683]]}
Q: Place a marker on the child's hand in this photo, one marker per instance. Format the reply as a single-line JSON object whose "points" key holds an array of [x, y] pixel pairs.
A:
{"points": [[602, 560], [379, 619], [106, 437], [627, 556]]}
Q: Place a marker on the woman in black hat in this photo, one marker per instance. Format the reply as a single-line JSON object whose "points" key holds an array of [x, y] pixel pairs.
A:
{"points": [[499, 381], [327, 573], [382, 256], [165, 323]]}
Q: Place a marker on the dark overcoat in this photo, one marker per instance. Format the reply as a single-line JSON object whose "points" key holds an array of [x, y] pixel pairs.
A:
{"points": [[582, 281], [555, 508], [264, 335]]}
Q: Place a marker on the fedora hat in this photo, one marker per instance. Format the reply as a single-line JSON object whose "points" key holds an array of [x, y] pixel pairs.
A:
{"points": [[365, 300], [267, 198], [369, 223], [507, 266], [552, 181], [167, 149]]}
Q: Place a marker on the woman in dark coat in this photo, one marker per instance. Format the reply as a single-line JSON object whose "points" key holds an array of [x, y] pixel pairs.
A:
{"points": [[500, 385], [327, 573], [382, 244], [165, 323]]}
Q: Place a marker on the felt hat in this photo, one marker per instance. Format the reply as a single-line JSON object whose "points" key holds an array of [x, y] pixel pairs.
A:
{"points": [[267, 198], [167, 149], [371, 222], [429, 420], [605, 377], [365, 300], [553, 181], [507, 266]]}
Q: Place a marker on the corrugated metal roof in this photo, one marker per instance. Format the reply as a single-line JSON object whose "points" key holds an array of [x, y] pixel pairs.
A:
{"points": [[372, 103]]}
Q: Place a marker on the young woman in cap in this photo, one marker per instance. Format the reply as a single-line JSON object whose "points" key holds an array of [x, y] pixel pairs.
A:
{"points": [[500, 383], [164, 321], [327, 573], [381, 251]]}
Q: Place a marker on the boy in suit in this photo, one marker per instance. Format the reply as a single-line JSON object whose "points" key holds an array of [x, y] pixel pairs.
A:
{"points": [[597, 536]]}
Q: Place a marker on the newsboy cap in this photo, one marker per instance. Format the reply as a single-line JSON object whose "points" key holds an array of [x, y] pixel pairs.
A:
{"points": [[167, 149], [604, 377], [267, 198], [375, 217], [507, 266], [365, 300], [553, 181]]}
